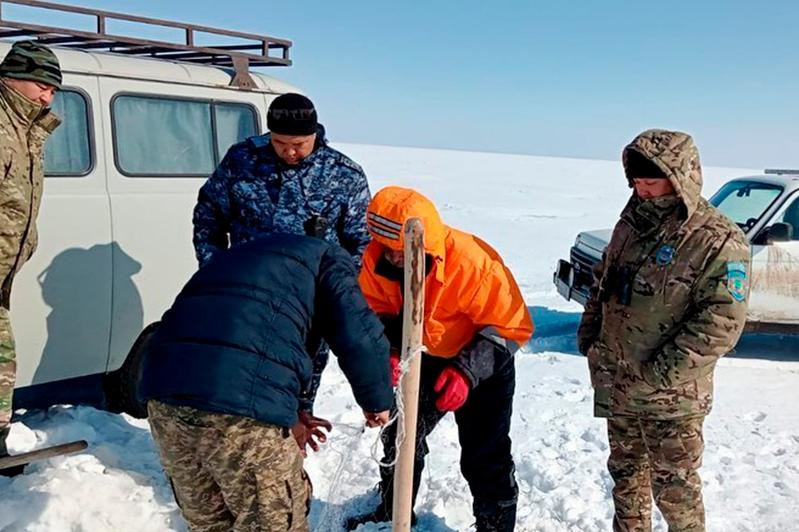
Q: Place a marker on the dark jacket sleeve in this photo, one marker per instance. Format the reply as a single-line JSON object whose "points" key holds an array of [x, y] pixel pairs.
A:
{"points": [[212, 212], [354, 235], [591, 322], [485, 355], [353, 331]]}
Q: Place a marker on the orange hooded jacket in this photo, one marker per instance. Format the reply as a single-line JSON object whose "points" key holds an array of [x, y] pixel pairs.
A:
{"points": [[467, 289]]}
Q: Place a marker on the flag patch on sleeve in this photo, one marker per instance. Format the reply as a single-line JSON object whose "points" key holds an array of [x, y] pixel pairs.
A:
{"points": [[737, 280]]}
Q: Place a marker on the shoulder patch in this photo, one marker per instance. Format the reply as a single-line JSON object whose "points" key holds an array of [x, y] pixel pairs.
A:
{"points": [[343, 160], [665, 255], [737, 280]]}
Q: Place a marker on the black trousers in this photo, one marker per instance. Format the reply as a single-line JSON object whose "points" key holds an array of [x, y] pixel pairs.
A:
{"points": [[483, 432]]}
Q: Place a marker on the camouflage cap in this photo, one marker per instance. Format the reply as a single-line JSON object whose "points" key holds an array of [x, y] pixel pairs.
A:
{"points": [[31, 61]]}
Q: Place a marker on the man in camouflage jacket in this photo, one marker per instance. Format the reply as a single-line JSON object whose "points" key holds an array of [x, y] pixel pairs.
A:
{"points": [[669, 299], [29, 77], [287, 181]]}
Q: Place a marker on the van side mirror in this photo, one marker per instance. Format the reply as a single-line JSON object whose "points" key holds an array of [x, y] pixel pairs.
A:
{"points": [[780, 232]]}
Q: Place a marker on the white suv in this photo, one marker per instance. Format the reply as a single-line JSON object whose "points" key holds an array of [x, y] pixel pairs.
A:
{"points": [[766, 208]]}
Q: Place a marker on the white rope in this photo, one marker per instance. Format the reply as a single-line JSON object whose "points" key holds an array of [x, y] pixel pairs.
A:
{"points": [[357, 431], [346, 455], [400, 410]]}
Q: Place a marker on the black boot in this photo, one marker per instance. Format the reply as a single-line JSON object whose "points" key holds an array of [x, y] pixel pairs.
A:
{"points": [[502, 520], [9, 471]]}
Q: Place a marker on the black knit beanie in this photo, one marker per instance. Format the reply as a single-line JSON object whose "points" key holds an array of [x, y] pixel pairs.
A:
{"points": [[291, 114]]}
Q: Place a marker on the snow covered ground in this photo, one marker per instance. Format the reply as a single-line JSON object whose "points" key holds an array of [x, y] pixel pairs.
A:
{"points": [[530, 209]]}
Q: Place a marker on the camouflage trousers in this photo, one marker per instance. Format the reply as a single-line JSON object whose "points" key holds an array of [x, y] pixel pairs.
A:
{"points": [[8, 368], [657, 458], [231, 472]]}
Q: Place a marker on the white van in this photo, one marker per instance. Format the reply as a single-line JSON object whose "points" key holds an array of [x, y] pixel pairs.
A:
{"points": [[139, 137]]}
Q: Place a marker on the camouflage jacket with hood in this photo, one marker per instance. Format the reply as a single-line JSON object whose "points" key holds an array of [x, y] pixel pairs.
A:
{"points": [[670, 295], [24, 128]]}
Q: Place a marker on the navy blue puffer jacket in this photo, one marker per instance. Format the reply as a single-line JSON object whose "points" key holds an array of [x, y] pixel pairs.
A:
{"points": [[235, 340]]}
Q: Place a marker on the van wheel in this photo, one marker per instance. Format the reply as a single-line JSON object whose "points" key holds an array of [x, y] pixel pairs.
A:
{"points": [[121, 386]]}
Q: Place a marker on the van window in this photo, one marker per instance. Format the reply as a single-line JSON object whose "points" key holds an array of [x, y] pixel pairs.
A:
{"points": [[745, 202], [791, 217], [234, 123], [68, 150], [155, 136]]}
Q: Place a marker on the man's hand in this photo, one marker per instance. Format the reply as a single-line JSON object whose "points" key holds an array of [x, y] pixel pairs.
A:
{"points": [[308, 431], [376, 419]]}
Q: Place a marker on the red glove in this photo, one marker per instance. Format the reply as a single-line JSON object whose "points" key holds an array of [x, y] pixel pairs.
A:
{"points": [[453, 389], [396, 370]]}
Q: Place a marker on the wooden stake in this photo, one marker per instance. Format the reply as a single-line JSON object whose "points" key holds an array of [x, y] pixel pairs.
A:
{"points": [[41, 454], [413, 315]]}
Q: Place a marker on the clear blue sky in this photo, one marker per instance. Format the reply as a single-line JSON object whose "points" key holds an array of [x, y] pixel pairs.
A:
{"points": [[566, 78]]}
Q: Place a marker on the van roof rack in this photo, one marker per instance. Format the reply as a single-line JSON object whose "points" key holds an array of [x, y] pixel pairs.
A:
{"points": [[253, 51], [780, 171]]}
